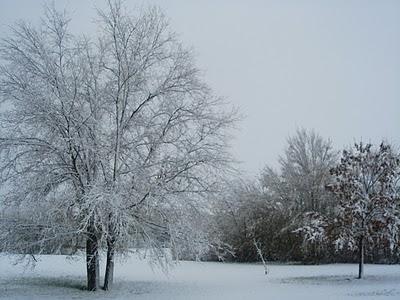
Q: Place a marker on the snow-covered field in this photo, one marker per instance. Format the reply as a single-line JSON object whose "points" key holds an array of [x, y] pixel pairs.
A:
{"points": [[56, 277]]}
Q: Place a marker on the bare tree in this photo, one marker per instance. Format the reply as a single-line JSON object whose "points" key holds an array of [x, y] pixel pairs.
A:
{"points": [[167, 131], [304, 171], [299, 185], [48, 154], [120, 135]]}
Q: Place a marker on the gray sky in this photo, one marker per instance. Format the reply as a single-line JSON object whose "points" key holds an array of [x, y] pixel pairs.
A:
{"points": [[329, 65]]}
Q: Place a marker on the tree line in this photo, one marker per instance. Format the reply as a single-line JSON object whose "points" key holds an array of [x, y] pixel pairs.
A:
{"points": [[319, 206]]}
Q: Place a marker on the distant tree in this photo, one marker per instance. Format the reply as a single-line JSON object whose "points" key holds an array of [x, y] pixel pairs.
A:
{"points": [[366, 181], [304, 171], [299, 185], [116, 141]]}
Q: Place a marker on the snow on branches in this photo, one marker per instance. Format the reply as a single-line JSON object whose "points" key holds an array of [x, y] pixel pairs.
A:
{"points": [[119, 134], [366, 184]]}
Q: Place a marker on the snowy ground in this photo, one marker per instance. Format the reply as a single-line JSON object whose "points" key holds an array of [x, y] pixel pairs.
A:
{"points": [[58, 278]]}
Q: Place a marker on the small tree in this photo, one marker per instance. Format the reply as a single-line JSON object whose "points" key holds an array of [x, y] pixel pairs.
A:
{"points": [[366, 182]]}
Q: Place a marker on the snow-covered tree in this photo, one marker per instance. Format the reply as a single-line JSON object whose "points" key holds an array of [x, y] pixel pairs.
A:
{"points": [[299, 184], [304, 172], [367, 185], [48, 146], [119, 137]]}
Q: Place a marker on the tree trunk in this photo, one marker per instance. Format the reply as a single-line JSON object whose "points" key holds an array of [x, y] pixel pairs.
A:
{"points": [[92, 262], [361, 258], [109, 276]]}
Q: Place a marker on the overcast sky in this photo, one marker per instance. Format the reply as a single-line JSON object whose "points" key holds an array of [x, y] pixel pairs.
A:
{"points": [[333, 66]]}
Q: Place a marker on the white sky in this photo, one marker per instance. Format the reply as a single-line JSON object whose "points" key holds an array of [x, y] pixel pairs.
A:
{"points": [[329, 65]]}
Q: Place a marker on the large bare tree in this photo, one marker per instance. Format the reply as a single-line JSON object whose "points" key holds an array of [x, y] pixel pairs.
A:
{"points": [[118, 137]]}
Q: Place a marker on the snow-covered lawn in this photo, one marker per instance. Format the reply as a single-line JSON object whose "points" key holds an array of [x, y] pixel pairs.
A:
{"points": [[56, 277]]}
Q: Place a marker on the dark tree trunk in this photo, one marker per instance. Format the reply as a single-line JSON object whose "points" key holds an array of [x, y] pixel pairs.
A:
{"points": [[92, 261], [361, 258], [109, 276]]}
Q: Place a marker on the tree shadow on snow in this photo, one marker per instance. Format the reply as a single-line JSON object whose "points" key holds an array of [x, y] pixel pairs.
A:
{"points": [[46, 287], [40, 284], [341, 279]]}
